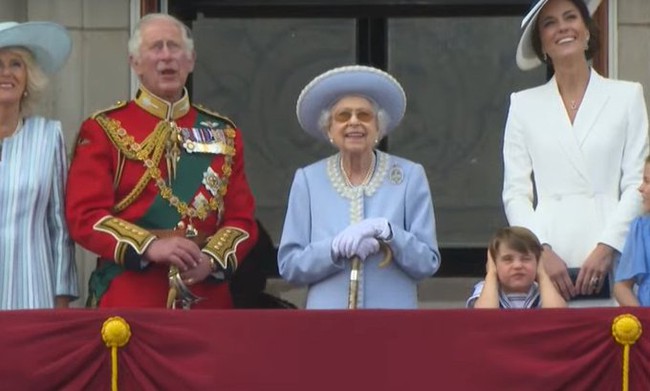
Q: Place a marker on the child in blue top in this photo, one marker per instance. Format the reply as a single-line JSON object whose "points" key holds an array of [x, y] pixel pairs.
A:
{"points": [[514, 277], [634, 267]]}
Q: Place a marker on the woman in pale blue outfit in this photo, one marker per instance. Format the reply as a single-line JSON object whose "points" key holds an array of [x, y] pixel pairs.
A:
{"points": [[37, 268], [360, 202]]}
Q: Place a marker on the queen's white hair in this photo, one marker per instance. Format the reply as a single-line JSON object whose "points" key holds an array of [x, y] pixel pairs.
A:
{"points": [[383, 119]]}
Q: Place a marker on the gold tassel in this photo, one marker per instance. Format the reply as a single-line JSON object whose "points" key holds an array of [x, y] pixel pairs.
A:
{"points": [[115, 333], [626, 330]]}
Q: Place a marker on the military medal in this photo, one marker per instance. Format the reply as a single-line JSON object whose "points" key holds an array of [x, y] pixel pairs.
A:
{"points": [[173, 152]]}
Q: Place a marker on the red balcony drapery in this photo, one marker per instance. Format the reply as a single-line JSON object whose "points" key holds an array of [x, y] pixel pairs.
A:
{"points": [[567, 349]]}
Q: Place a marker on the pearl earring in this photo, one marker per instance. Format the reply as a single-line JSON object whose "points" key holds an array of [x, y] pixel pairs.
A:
{"points": [[545, 57], [331, 141]]}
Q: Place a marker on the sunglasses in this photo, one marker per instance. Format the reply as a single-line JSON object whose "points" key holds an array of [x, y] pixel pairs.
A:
{"points": [[346, 115]]}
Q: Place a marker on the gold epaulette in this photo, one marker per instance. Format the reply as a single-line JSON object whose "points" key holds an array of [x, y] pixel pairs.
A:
{"points": [[118, 105], [207, 111]]}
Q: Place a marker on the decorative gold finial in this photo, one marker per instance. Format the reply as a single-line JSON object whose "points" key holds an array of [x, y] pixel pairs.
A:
{"points": [[116, 332], [626, 329]]}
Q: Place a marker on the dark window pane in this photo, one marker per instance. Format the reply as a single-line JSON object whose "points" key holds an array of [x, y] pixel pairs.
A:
{"points": [[458, 74], [252, 71]]}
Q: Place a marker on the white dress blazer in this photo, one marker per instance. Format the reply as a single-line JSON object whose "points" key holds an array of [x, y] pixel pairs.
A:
{"points": [[575, 185]]}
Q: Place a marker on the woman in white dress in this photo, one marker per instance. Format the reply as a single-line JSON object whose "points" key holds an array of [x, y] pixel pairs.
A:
{"points": [[37, 268], [573, 150]]}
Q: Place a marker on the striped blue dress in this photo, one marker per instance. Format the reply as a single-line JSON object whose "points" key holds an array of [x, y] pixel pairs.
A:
{"points": [[36, 253]]}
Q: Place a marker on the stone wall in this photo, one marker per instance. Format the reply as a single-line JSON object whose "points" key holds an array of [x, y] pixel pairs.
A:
{"points": [[634, 42]]}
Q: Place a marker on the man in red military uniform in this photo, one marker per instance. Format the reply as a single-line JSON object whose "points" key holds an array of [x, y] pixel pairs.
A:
{"points": [[157, 186]]}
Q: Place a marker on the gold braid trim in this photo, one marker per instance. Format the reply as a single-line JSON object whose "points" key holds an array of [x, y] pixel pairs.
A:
{"points": [[150, 152], [127, 234], [217, 203], [153, 146], [222, 246], [119, 169]]}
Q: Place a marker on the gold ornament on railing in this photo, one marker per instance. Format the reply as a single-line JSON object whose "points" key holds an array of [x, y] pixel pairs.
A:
{"points": [[626, 330], [115, 333]]}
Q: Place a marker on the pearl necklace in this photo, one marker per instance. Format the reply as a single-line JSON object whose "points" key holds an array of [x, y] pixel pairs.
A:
{"points": [[366, 179]]}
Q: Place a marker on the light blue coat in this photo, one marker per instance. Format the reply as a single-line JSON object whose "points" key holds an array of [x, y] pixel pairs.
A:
{"points": [[36, 253], [321, 205]]}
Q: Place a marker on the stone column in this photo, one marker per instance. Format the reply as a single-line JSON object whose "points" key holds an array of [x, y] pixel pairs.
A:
{"points": [[634, 42]]}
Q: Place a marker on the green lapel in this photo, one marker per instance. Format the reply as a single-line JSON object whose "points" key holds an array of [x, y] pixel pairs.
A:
{"points": [[189, 176]]}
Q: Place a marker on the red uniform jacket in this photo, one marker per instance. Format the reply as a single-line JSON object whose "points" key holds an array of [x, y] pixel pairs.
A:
{"points": [[119, 192]]}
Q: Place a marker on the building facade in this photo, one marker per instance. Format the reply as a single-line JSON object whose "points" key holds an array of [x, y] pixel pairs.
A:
{"points": [[271, 52]]}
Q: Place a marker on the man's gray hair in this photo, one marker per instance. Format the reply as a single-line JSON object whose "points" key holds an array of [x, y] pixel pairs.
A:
{"points": [[136, 39]]}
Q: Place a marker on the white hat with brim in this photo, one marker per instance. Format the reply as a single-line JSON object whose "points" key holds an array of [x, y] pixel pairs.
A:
{"points": [[328, 88], [526, 57], [49, 43]]}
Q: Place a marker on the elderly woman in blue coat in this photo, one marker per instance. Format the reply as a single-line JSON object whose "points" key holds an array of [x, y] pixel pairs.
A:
{"points": [[358, 203]]}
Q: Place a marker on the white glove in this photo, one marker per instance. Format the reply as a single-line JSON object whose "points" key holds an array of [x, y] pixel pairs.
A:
{"points": [[346, 243], [367, 247], [379, 226]]}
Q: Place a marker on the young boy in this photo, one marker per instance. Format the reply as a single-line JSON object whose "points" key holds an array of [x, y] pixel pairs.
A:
{"points": [[512, 270], [634, 266]]}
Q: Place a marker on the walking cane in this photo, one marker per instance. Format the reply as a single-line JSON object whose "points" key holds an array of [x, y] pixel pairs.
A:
{"points": [[353, 293], [354, 283]]}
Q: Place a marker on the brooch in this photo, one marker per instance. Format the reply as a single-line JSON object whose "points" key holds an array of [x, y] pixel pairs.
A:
{"points": [[396, 175]]}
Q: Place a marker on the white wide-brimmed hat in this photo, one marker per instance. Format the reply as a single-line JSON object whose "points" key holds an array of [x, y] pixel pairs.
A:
{"points": [[526, 57], [326, 89], [49, 43]]}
